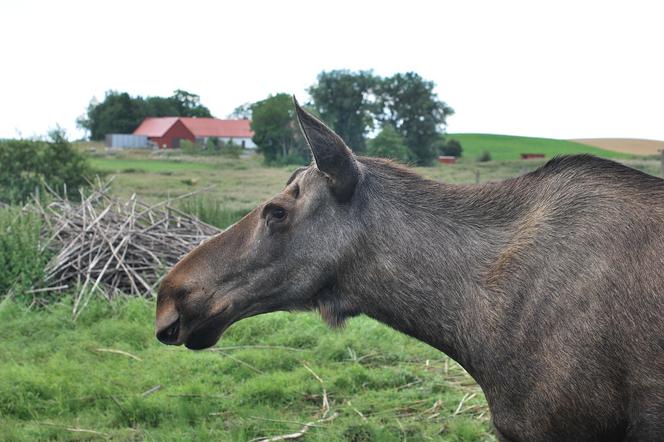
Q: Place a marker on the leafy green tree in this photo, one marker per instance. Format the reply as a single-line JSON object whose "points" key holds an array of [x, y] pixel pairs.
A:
{"points": [[275, 130], [160, 107], [118, 113], [342, 99], [242, 112], [410, 105], [189, 105], [121, 113], [388, 144], [28, 165]]}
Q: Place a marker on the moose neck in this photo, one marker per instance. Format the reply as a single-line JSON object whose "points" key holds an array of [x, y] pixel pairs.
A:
{"points": [[421, 263]]}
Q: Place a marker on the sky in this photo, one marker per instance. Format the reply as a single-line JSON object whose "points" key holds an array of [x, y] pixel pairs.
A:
{"points": [[559, 69]]}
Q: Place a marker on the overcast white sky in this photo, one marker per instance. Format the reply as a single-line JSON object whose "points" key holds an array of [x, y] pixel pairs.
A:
{"points": [[562, 69]]}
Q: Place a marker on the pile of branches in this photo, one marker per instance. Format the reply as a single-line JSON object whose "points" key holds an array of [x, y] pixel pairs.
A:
{"points": [[104, 244]]}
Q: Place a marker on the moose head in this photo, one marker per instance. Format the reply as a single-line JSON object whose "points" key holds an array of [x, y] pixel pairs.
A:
{"points": [[284, 255]]}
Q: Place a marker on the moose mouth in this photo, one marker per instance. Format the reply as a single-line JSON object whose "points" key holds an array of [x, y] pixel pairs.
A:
{"points": [[209, 331]]}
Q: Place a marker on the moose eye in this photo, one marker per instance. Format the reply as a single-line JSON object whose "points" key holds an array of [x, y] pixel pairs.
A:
{"points": [[278, 213], [274, 214]]}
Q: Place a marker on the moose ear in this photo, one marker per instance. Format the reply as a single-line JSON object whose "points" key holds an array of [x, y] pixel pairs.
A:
{"points": [[331, 154]]}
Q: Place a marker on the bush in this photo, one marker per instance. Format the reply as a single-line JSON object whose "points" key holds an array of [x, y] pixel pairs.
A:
{"points": [[388, 144], [484, 157], [28, 165], [451, 148], [190, 148], [21, 261]]}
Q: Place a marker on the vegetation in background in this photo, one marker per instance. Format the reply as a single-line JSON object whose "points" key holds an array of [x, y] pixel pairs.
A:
{"points": [[341, 98], [408, 102], [241, 112], [352, 102], [388, 144], [21, 260], [121, 113], [509, 147], [450, 147], [28, 165], [276, 132], [484, 157], [213, 211], [213, 146]]}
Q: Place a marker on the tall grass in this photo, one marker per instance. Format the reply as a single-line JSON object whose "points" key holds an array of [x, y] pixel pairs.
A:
{"points": [[213, 211], [21, 260]]}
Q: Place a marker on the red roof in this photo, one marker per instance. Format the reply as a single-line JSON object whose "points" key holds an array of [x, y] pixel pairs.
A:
{"points": [[200, 127], [155, 127], [214, 127]]}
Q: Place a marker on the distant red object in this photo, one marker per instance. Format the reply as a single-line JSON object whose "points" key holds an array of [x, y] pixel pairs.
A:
{"points": [[530, 156], [444, 159], [168, 132]]}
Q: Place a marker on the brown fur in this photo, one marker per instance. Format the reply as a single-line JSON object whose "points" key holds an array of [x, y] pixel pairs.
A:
{"points": [[547, 288]]}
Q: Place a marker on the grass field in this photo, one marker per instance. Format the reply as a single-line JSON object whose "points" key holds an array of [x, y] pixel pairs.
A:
{"points": [[105, 377], [509, 147]]}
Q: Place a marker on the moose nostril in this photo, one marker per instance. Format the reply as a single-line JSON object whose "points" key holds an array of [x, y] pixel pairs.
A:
{"points": [[169, 335]]}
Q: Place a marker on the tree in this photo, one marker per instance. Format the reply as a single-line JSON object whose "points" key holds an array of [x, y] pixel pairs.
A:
{"points": [[342, 98], [242, 112], [121, 113], [189, 105], [388, 144], [275, 130], [160, 107], [118, 113], [410, 105]]}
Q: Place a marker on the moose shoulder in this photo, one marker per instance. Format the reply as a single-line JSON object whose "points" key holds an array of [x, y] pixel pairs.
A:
{"points": [[547, 288]]}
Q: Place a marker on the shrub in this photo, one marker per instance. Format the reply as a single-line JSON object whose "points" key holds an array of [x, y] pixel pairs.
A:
{"points": [[451, 148], [21, 261], [484, 157], [28, 165], [388, 144], [231, 149], [190, 148]]}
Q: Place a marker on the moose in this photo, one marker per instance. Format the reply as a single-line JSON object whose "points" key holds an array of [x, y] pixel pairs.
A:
{"points": [[547, 288]]}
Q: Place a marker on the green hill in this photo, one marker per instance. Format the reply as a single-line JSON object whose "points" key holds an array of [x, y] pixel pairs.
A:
{"points": [[508, 147]]}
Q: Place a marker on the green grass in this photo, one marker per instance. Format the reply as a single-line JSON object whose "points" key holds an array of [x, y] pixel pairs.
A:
{"points": [[147, 165], [58, 381], [509, 147]]}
